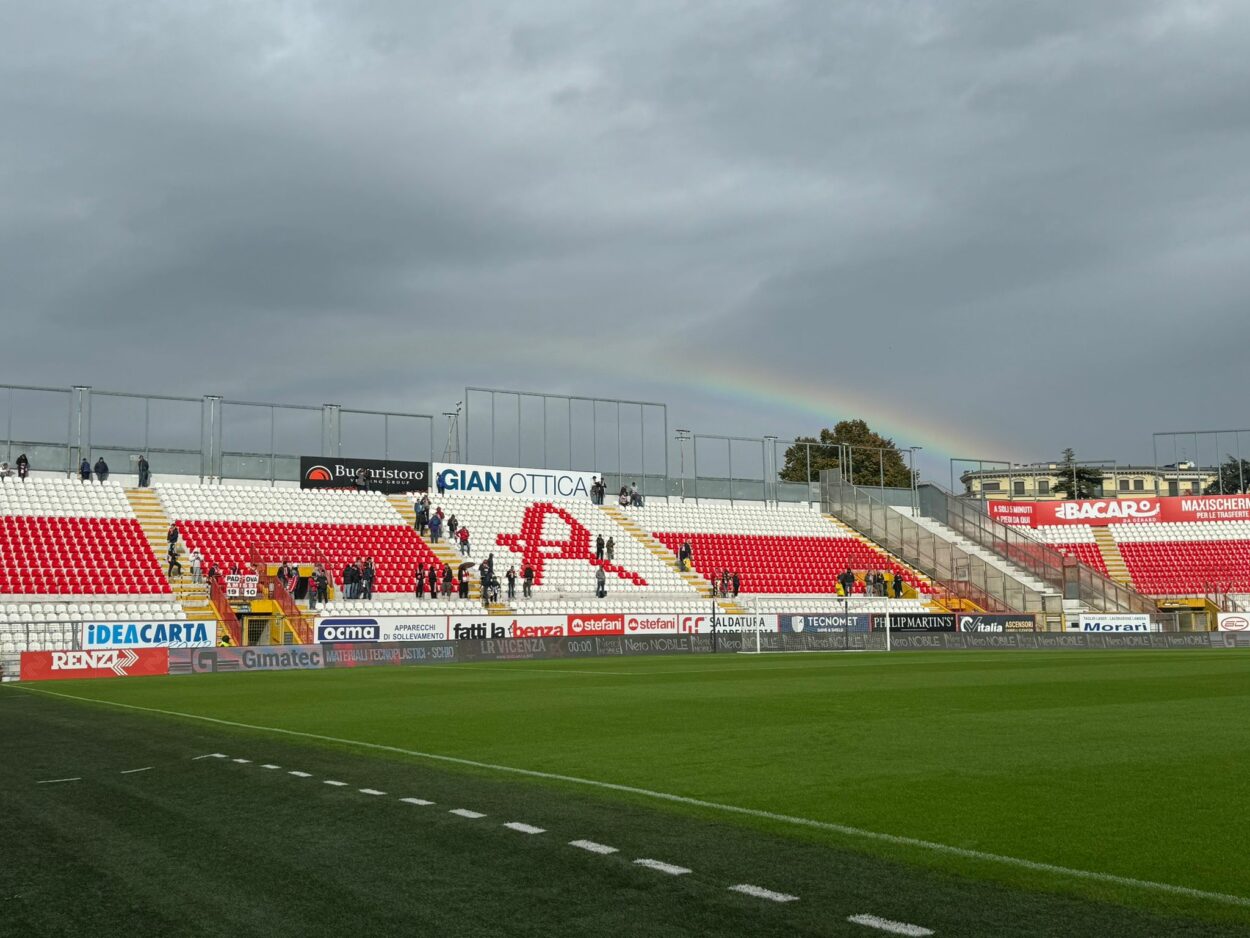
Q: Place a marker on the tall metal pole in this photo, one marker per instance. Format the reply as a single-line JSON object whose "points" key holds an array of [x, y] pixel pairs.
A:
{"points": [[642, 446], [1241, 473], [272, 448], [545, 466], [386, 434], [518, 431], [492, 428], [695, 444], [619, 470]]}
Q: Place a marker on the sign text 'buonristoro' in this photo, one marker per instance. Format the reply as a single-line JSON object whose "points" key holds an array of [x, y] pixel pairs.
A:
{"points": [[382, 475]]}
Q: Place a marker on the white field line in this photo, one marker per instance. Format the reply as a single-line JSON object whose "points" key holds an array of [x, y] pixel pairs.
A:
{"points": [[57, 781], [465, 812], [525, 828], [662, 867], [146, 768], [270, 765], [843, 829], [241, 761], [592, 846], [370, 791], [300, 774], [759, 892], [211, 755], [330, 781], [894, 928], [417, 801], [480, 667]]}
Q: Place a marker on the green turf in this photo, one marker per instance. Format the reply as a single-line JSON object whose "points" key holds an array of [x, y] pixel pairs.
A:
{"points": [[1125, 763]]}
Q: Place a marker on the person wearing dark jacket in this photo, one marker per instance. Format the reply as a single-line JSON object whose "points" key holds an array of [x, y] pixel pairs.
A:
{"points": [[511, 574], [349, 581], [84, 470], [527, 579], [101, 470], [420, 580], [847, 582], [736, 581], [145, 472], [898, 586], [23, 467], [599, 547], [446, 579], [367, 576]]}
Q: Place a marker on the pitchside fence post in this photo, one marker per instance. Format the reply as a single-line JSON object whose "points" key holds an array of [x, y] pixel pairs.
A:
{"points": [[887, 620]]}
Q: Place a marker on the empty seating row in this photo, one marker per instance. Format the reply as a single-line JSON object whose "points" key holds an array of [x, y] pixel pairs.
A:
{"points": [[61, 556], [260, 503], [63, 498]]}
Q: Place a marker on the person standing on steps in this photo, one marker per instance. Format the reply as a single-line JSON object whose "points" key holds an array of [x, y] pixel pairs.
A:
{"points": [[609, 549], [145, 472], [528, 581], [601, 583], [419, 576], [84, 470], [23, 467], [599, 547]]}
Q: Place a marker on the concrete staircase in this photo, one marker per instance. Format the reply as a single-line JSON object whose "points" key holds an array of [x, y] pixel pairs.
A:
{"points": [[193, 597], [448, 554], [1071, 607], [1117, 569]]}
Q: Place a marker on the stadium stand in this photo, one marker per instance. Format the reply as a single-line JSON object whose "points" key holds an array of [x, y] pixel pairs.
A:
{"points": [[1075, 540], [41, 626], [334, 528], [60, 537], [1162, 559], [558, 537], [781, 549]]}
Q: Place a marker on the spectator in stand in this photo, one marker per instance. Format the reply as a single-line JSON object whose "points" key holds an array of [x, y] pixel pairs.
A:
{"points": [[442, 489], [314, 588], [898, 586], [234, 569], [172, 534], [601, 583], [197, 565], [323, 584], [5, 471], [101, 470], [609, 549], [84, 470], [599, 547], [594, 490], [213, 575], [446, 579], [724, 582], [735, 581], [145, 473], [23, 467], [420, 581], [463, 534], [635, 497], [172, 558], [433, 578], [436, 527], [463, 590], [623, 498], [367, 576], [349, 581], [362, 479], [419, 512], [683, 556], [511, 575], [528, 581], [847, 581], [452, 525], [283, 573]]}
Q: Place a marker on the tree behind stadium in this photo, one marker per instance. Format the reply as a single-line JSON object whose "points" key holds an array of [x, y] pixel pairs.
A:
{"points": [[1077, 481], [1234, 478], [870, 454]]}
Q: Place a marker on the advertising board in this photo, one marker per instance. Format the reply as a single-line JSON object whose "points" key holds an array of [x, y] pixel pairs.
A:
{"points": [[1105, 622], [497, 627], [652, 624], [381, 629], [192, 634], [800, 622], [505, 480], [916, 622], [1234, 622], [251, 658], [747, 623], [242, 584], [984, 622], [392, 476], [1104, 511], [596, 624], [99, 662]]}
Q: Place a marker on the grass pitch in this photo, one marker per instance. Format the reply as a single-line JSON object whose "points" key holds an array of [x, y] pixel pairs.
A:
{"points": [[1122, 765]]}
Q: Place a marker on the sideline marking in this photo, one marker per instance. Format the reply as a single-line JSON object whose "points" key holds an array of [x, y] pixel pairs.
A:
{"points": [[417, 801], [146, 768], [662, 867], [843, 829], [592, 846], [270, 765], [330, 781], [760, 892], [300, 774], [211, 755], [370, 791], [894, 928], [241, 761], [465, 812], [57, 781], [525, 828]]}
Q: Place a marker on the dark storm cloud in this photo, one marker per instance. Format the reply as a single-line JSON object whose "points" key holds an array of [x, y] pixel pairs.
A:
{"points": [[1030, 219]]}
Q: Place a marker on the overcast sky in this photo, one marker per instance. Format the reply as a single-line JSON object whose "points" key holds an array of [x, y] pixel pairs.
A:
{"points": [[990, 228]]}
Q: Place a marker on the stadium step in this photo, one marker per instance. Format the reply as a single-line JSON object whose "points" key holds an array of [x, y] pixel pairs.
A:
{"points": [[193, 597], [909, 592], [443, 550], [1117, 569], [697, 582]]}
